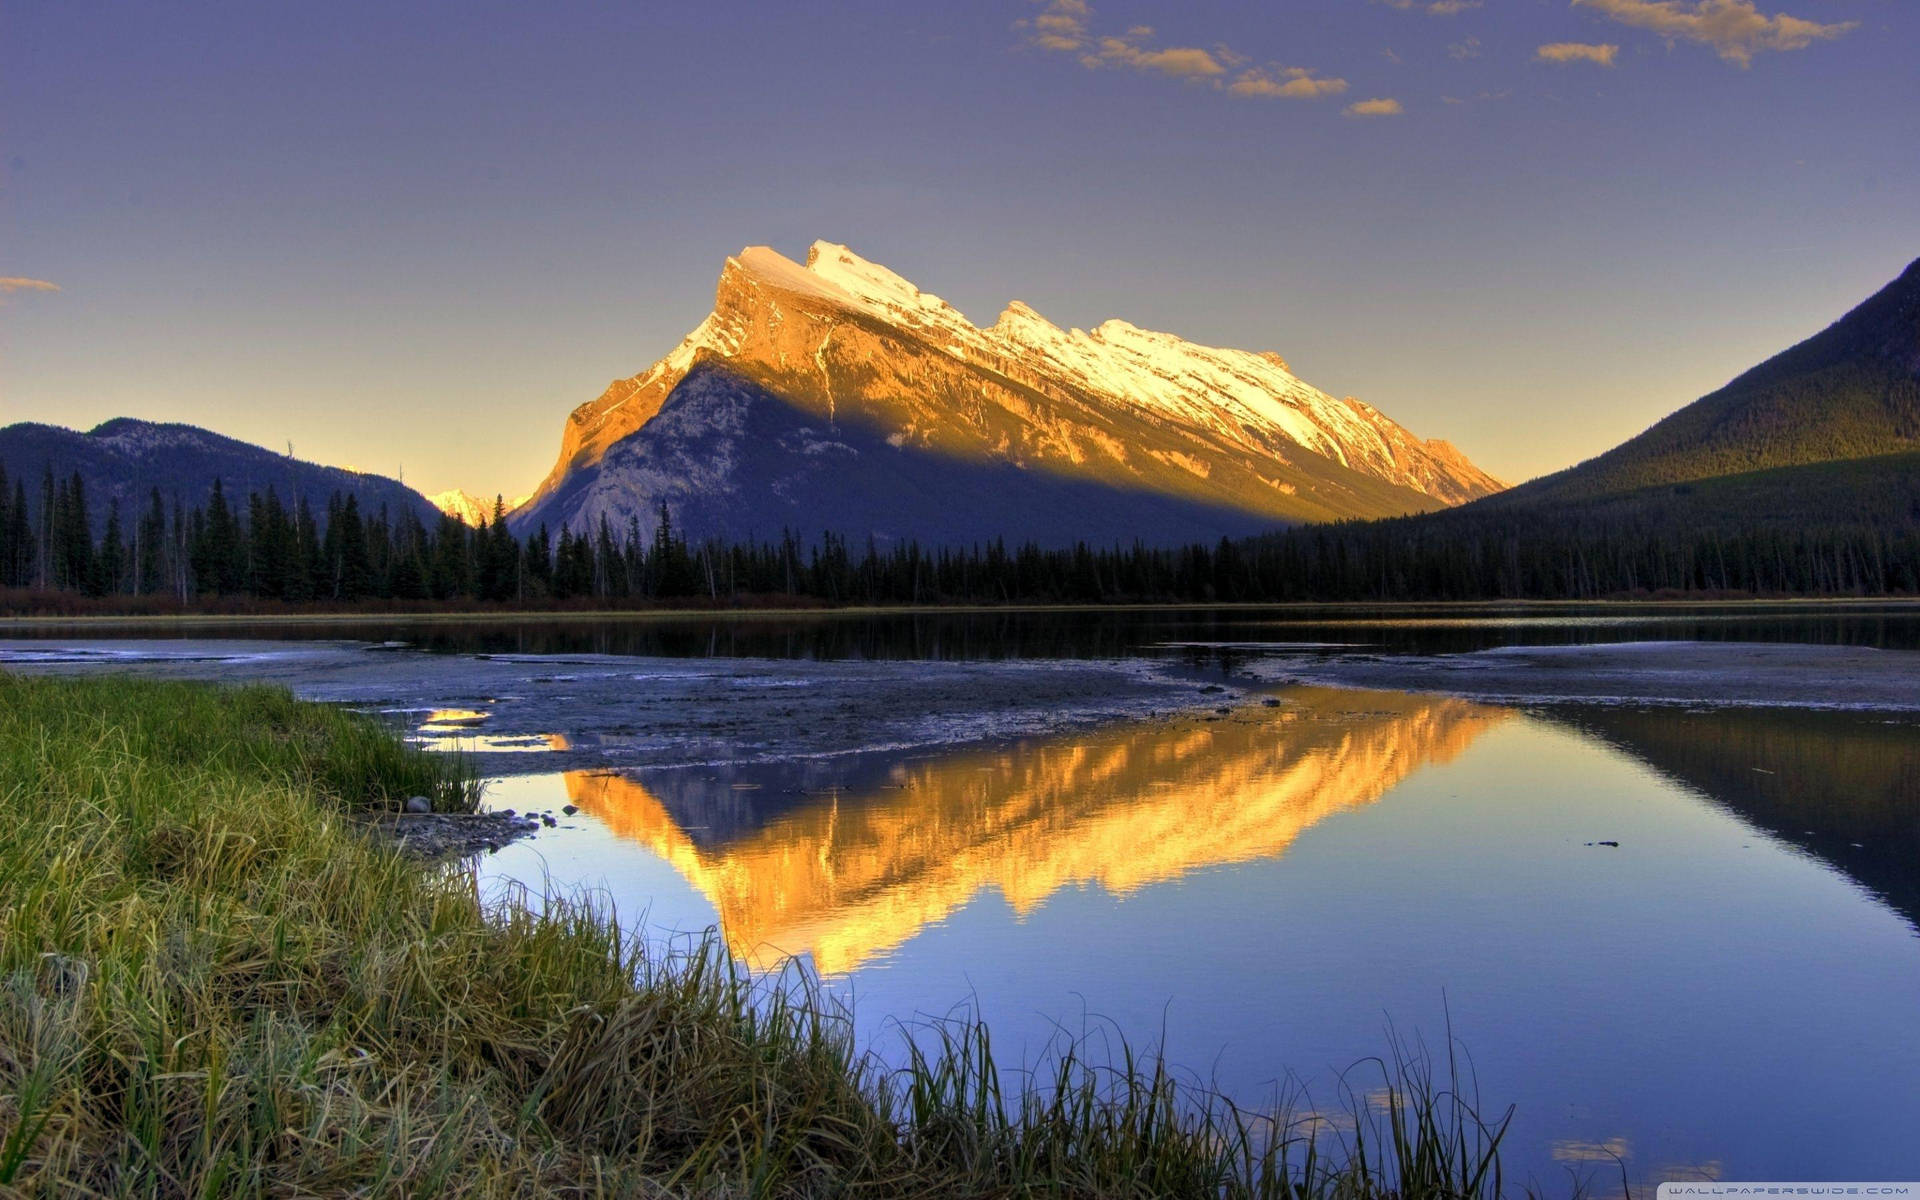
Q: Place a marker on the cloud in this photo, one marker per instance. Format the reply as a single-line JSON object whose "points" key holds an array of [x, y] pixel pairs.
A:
{"points": [[1736, 29], [1572, 52], [1462, 51], [1181, 62], [1065, 27], [1062, 25], [1434, 8], [1383, 107], [10, 284], [1292, 83]]}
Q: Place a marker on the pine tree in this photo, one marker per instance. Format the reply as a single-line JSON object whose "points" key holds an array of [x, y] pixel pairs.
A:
{"points": [[107, 572], [220, 561], [151, 541], [7, 551], [354, 568]]}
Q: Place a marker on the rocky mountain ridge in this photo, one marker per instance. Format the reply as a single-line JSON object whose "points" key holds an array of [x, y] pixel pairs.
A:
{"points": [[844, 343]]}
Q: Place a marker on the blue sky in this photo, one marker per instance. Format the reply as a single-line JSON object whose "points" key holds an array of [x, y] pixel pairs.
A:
{"points": [[416, 235]]}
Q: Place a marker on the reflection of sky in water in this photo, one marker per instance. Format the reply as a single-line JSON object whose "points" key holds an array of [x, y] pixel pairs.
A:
{"points": [[1270, 888]]}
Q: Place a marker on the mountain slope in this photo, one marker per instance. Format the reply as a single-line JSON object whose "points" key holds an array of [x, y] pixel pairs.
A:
{"points": [[848, 346], [125, 459], [734, 460], [1849, 392]]}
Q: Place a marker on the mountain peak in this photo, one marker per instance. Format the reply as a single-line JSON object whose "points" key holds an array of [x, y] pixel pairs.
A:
{"points": [[844, 338], [878, 289], [767, 265], [1019, 323]]}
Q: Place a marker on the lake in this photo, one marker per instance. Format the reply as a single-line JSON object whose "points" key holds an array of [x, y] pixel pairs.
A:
{"points": [[1680, 939]]}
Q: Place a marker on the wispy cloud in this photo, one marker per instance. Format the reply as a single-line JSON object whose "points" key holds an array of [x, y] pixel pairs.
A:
{"points": [[1573, 52], [1381, 107], [1736, 29], [9, 284], [1462, 51], [1435, 8], [1062, 25], [1066, 27]]}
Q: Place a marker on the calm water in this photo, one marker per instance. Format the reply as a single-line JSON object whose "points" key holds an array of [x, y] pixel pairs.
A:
{"points": [[1090, 633], [1731, 991]]}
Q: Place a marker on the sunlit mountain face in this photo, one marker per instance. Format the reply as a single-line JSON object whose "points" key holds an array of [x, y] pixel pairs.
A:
{"points": [[839, 395], [844, 875]]}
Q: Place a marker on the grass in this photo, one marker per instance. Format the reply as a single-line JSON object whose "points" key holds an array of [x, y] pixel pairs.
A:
{"points": [[214, 983]]}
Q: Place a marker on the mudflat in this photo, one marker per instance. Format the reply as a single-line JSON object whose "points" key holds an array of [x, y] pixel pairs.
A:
{"points": [[517, 713]]}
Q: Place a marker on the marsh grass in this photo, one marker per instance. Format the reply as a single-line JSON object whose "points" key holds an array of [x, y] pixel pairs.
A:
{"points": [[213, 982]]}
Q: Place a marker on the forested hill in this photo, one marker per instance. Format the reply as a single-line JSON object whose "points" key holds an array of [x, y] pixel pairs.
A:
{"points": [[123, 461], [1850, 392]]}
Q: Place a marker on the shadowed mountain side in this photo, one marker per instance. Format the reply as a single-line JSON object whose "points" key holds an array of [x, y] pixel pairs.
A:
{"points": [[851, 876], [1844, 787], [736, 461], [125, 460]]}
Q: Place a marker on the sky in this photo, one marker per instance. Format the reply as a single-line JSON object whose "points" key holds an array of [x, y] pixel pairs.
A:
{"points": [[411, 238]]}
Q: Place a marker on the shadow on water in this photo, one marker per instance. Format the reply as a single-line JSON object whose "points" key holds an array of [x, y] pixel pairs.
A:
{"points": [[1842, 787]]}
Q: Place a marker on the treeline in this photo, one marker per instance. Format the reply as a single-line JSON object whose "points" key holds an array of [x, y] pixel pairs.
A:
{"points": [[262, 549]]}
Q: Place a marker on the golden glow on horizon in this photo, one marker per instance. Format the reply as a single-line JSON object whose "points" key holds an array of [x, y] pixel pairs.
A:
{"points": [[848, 877]]}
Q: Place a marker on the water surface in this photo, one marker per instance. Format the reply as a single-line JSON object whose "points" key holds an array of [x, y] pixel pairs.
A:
{"points": [[1733, 990]]}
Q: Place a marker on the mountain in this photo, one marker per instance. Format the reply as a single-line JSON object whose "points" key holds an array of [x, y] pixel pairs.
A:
{"points": [[125, 459], [1851, 392], [1801, 477], [469, 508], [837, 395]]}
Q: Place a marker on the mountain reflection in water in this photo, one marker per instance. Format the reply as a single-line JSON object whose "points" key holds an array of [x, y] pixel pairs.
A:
{"points": [[848, 873], [1843, 787]]}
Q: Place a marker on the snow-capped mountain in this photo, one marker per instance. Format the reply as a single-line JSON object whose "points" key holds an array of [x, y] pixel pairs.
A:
{"points": [[467, 507], [1143, 432]]}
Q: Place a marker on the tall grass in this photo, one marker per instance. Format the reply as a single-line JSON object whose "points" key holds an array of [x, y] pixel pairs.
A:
{"points": [[213, 983]]}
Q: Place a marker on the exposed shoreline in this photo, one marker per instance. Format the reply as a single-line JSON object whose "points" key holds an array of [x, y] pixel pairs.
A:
{"points": [[1724, 674], [534, 713]]}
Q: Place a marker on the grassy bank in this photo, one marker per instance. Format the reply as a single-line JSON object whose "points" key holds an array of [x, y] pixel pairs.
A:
{"points": [[214, 983]]}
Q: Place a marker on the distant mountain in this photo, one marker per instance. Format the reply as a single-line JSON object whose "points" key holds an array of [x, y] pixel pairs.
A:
{"points": [[1849, 393], [469, 508], [838, 396], [124, 459]]}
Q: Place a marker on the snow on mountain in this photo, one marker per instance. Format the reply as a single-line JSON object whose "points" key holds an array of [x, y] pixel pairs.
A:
{"points": [[846, 339], [469, 508]]}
